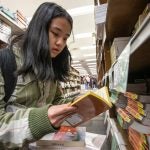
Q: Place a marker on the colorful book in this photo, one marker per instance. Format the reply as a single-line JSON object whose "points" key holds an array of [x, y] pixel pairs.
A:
{"points": [[89, 105], [145, 99], [137, 140], [65, 137], [134, 105], [134, 113]]}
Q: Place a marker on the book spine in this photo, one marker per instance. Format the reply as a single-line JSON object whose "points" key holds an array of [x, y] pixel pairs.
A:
{"points": [[131, 95], [124, 115], [139, 104], [134, 113], [137, 138], [135, 106], [133, 141], [19, 14]]}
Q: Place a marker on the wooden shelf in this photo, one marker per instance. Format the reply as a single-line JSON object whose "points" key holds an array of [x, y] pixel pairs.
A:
{"points": [[73, 85], [125, 18], [140, 54], [10, 22], [122, 16]]}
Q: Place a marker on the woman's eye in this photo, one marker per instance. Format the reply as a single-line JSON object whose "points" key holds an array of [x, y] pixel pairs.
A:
{"points": [[55, 34], [65, 39]]}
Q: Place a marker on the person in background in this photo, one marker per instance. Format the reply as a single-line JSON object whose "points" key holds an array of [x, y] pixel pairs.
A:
{"points": [[87, 81], [36, 107], [91, 82]]}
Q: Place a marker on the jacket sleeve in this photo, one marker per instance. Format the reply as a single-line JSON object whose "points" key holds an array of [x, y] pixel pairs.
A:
{"points": [[26, 124], [59, 97]]}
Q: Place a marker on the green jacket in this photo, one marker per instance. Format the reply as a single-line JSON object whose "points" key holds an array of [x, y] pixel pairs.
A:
{"points": [[26, 119]]}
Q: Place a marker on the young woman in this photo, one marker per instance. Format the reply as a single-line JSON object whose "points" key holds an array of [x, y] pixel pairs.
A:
{"points": [[36, 106]]}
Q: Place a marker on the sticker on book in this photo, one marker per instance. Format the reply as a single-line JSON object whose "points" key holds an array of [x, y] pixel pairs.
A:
{"points": [[74, 119]]}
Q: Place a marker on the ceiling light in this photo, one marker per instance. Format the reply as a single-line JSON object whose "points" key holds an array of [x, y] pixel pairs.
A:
{"points": [[79, 69], [73, 56], [90, 59], [92, 67], [83, 35], [75, 65], [81, 10], [91, 63], [76, 61], [88, 47], [93, 54]]}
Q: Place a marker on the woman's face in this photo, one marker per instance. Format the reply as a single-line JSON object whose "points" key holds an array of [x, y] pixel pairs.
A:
{"points": [[59, 32]]}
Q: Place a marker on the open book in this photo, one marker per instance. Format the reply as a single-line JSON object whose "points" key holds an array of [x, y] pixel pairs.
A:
{"points": [[90, 105]]}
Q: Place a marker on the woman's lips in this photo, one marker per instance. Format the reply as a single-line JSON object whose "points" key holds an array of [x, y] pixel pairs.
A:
{"points": [[55, 50]]}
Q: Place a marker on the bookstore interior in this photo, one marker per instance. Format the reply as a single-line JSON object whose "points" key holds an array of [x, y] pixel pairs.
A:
{"points": [[109, 77]]}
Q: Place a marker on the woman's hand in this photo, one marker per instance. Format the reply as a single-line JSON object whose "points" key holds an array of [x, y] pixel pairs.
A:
{"points": [[58, 113]]}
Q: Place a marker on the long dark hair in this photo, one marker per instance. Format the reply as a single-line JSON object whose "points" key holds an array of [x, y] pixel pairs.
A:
{"points": [[35, 46]]}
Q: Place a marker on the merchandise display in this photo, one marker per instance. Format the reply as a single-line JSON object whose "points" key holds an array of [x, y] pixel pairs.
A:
{"points": [[126, 37]]}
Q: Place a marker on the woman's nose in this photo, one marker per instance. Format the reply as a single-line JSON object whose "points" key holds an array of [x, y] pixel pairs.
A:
{"points": [[60, 42]]}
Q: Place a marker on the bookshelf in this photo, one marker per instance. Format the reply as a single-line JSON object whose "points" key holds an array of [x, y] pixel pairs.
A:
{"points": [[8, 26], [14, 26], [133, 22], [72, 87]]}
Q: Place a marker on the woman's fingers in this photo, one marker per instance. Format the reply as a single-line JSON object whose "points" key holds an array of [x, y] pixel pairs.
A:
{"points": [[58, 113], [60, 119], [57, 110]]}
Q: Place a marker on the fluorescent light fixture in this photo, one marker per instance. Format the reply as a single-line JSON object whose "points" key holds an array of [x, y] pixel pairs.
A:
{"points": [[88, 47], [91, 63], [93, 54], [73, 56], [92, 67], [83, 35], [90, 59], [75, 65], [89, 9], [76, 61], [79, 68]]}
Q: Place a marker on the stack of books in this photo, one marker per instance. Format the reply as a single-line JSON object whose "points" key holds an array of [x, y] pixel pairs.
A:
{"points": [[65, 138], [70, 138], [5, 31], [138, 140], [133, 113], [21, 20]]}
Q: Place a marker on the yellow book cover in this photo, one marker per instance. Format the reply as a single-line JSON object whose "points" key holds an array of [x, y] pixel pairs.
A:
{"points": [[89, 105]]}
